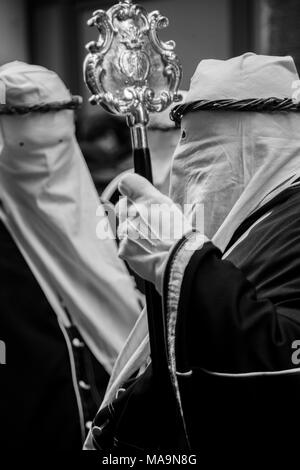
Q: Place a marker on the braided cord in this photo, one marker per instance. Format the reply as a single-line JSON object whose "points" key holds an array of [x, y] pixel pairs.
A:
{"points": [[74, 103], [251, 104]]}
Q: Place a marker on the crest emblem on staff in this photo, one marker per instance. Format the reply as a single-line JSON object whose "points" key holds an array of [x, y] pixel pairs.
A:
{"points": [[129, 66]]}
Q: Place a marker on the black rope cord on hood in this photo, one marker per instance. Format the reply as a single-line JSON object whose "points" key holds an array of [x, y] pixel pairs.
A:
{"points": [[251, 104], [74, 103]]}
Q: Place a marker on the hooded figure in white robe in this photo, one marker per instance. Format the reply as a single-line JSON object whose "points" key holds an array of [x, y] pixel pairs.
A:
{"points": [[59, 263], [230, 294]]}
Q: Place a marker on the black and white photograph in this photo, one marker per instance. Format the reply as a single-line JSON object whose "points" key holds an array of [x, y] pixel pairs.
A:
{"points": [[150, 231]]}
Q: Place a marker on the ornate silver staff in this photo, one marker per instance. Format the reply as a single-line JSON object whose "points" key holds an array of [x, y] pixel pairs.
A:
{"points": [[131, 72]]}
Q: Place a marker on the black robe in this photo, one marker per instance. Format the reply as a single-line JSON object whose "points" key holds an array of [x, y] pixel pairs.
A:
{"points": [[51, 385], [232, 331]]}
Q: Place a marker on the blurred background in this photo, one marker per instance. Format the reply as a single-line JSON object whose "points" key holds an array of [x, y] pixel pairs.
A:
{"points": [[53, 33]]}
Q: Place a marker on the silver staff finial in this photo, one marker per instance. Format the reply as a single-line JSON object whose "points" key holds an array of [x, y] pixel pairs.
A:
{"points": [[129, 70]]}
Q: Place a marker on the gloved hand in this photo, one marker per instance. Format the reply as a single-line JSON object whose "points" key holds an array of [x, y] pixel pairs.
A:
{"points": [[150, 224]]}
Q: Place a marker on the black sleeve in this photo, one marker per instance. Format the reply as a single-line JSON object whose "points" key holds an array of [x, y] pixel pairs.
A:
{"points": [[223, 326]]}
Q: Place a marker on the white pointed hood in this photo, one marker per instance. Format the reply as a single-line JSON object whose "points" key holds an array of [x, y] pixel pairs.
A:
{"points": [[52, 210], [226, 157]]}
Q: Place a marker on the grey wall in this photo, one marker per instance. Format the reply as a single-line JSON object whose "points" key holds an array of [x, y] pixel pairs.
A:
{"points": [[13, 34]]}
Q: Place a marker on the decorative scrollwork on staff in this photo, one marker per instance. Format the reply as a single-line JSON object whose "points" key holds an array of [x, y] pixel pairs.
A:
{"points": [[129, 67]]}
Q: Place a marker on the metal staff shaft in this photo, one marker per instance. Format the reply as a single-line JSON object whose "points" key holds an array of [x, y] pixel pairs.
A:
{"points": [[131, 72], [142, 166]]}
